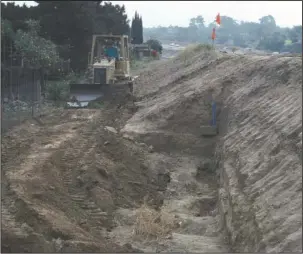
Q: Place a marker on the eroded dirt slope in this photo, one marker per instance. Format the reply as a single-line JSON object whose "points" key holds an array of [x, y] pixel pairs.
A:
{"points": [[262, 163], [259, 148]]}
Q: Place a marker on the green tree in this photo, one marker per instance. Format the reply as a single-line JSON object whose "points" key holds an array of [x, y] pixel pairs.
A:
{"points": [[70, 24], [141, 30], [137, 29], [264, 34], [268, 20], [35, 49], [155, 45], [76, 22], [293, 48], [249, 32], [111, 18], [74, 29], [229, 27], [239, 40], [7, 29], [7, 38], [295, 34], [273, 42], [267, 26], [196, 29], [197, 22]]}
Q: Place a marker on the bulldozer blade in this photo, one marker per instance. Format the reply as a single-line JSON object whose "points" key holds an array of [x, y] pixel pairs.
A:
{"points": [[82, 94]]}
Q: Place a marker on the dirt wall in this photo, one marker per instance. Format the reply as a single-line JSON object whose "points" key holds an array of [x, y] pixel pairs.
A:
{"points": [[261, 169], [259, 145]]}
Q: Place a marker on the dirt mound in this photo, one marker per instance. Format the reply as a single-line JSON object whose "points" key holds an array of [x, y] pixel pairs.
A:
{"points": [[259, 147]]}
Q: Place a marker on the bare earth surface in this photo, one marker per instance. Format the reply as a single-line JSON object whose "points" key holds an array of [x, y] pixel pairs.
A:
{"points": [[139, 176]]}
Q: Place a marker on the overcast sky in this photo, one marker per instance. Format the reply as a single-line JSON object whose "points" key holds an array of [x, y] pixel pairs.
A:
{"points": [[165, 13]]}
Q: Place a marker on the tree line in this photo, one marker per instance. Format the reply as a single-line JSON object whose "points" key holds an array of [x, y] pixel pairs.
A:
{"points": [[263, 35], [59, 29], [137, 34]]}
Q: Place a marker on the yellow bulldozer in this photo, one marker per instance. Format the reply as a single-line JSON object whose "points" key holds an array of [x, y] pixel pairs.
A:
{"points": [[108, 64]]}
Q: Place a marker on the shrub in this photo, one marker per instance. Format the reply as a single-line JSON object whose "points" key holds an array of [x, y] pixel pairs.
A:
{"points": [[155, 45], [57, 90], [153, 224], [192, 50]]}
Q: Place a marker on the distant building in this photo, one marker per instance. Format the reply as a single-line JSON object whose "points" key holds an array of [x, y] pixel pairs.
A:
{"points": [[140, 51]]}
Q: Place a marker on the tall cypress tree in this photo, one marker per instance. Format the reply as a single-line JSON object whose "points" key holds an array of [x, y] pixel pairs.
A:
{"points": [[137, 29], [140, 30]]}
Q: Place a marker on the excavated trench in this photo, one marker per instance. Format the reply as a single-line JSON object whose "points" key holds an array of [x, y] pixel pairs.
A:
{"points": [[182, 217], [190, 179]]}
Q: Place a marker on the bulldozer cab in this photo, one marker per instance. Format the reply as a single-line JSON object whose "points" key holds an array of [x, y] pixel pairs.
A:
{"points": [[114, 49], [108, 63]]}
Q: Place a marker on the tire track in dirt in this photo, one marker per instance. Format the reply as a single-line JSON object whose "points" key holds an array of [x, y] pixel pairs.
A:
{"points": [[27, 181], [39, 154], [57, 183]]}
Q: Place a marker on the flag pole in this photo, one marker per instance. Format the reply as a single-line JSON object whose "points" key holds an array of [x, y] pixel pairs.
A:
{"points": [[213, 37]]}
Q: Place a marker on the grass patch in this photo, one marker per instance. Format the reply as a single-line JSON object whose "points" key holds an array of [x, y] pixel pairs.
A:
{"points": [[153, 224], [192, 50]]}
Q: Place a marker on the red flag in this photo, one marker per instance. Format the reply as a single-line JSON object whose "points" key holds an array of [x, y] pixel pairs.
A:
{"points": [[218, 19], [213, 35]]}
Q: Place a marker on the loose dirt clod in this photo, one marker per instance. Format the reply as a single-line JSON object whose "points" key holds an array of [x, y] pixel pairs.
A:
{"points": [[111, 129], [151, 149]]}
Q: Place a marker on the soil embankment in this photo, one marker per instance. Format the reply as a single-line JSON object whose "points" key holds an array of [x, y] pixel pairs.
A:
{"points": [[258, 151]]}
